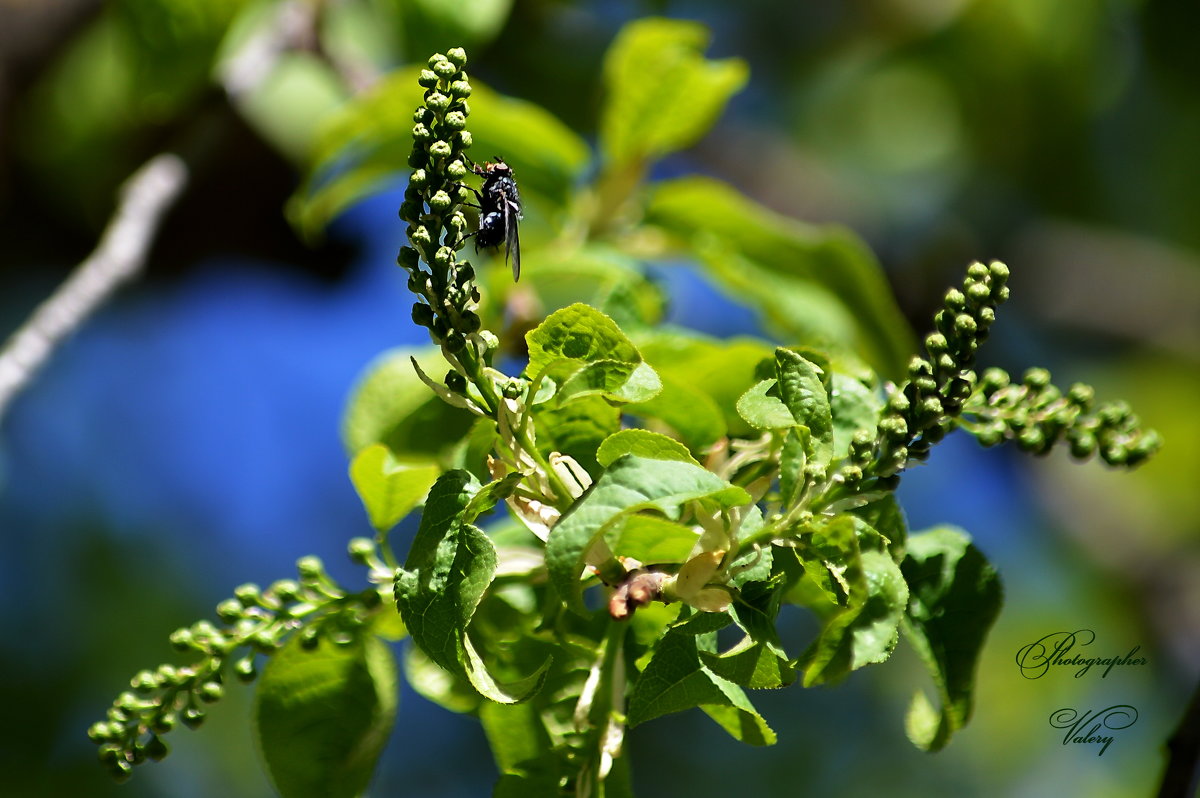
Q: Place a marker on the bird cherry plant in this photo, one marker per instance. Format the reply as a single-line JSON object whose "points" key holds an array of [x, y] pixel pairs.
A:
{"points": [[585, 559]]}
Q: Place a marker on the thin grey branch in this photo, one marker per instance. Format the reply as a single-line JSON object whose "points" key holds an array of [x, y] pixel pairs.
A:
{"points": [[118, 257]]}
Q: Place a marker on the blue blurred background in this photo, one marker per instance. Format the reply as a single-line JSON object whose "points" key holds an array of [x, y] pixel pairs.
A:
{"points": [[186, 440]]}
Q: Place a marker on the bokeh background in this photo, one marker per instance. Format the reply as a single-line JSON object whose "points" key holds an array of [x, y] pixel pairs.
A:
{"points": [[186, 440]]}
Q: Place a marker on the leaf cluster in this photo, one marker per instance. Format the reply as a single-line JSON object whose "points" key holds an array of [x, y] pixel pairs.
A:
{"points": [[610, 535]]}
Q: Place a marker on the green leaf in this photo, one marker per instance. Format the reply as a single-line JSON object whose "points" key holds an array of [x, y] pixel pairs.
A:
{"points": [[854, 407], [721, 370], [643, 443], [676, 679], [390, 405], [629, 485], [654, 539], [866, 629], [450, 565], [663, 95], [577, 428], [599, 276], [523, 750], [431, 681], [803, 393], [369, 141], [692, 414], [956, 596], [436, 25], [753, 665], [762, 408], [322, 716], [578, 333], [814, 284], [585, 352], [388, 488], [886, 517], [792, 459]]}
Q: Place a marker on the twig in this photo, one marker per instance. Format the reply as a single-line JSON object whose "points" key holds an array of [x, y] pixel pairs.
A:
{"points": [[118, 257], [1181, 779]]}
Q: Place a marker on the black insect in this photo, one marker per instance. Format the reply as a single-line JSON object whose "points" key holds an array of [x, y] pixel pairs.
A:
{"points": [[499, 211]]}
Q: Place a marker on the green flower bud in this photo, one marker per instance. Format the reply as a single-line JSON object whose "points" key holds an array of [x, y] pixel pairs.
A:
{"points": [[192, 717], [427, 79], [936, 343], [489, 340], [100, 732], [310, 638], [850, 475], [422, 314], [954, 301], [978, 294], [230, 610], [462, 139], [1081, 395], [421, 132], [163, 722], [361, 550], [993, 380], [210, 692], [248, 594], [144, 682], [418, 158], [977, 271], [181, 640], [423, 115], [156, 749], [1033, 440], [1036, 378], [456, 382], [265, 641], [285, 590], [965, 325], [244, 669], [931, 407], [119, 770], [436, 101], [168, 676], [457, 56], [445, 70], [455, 341], [440, 149], [128, 702], [1115, 454], [440, 202], [310, 568], [455, 120]]}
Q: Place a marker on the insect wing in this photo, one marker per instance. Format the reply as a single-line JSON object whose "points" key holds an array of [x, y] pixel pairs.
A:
{"points": [[512, 239]]}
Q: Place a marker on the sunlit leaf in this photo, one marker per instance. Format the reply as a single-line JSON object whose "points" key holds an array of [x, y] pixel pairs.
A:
{"points": [[663, 94], [629, 485], [816, 285], [390, 405], [389, 489], [322, 716]]}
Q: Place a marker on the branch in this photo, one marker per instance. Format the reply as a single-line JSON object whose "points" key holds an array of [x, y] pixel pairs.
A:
{"points": [[118, 257], [1182, 775]]}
